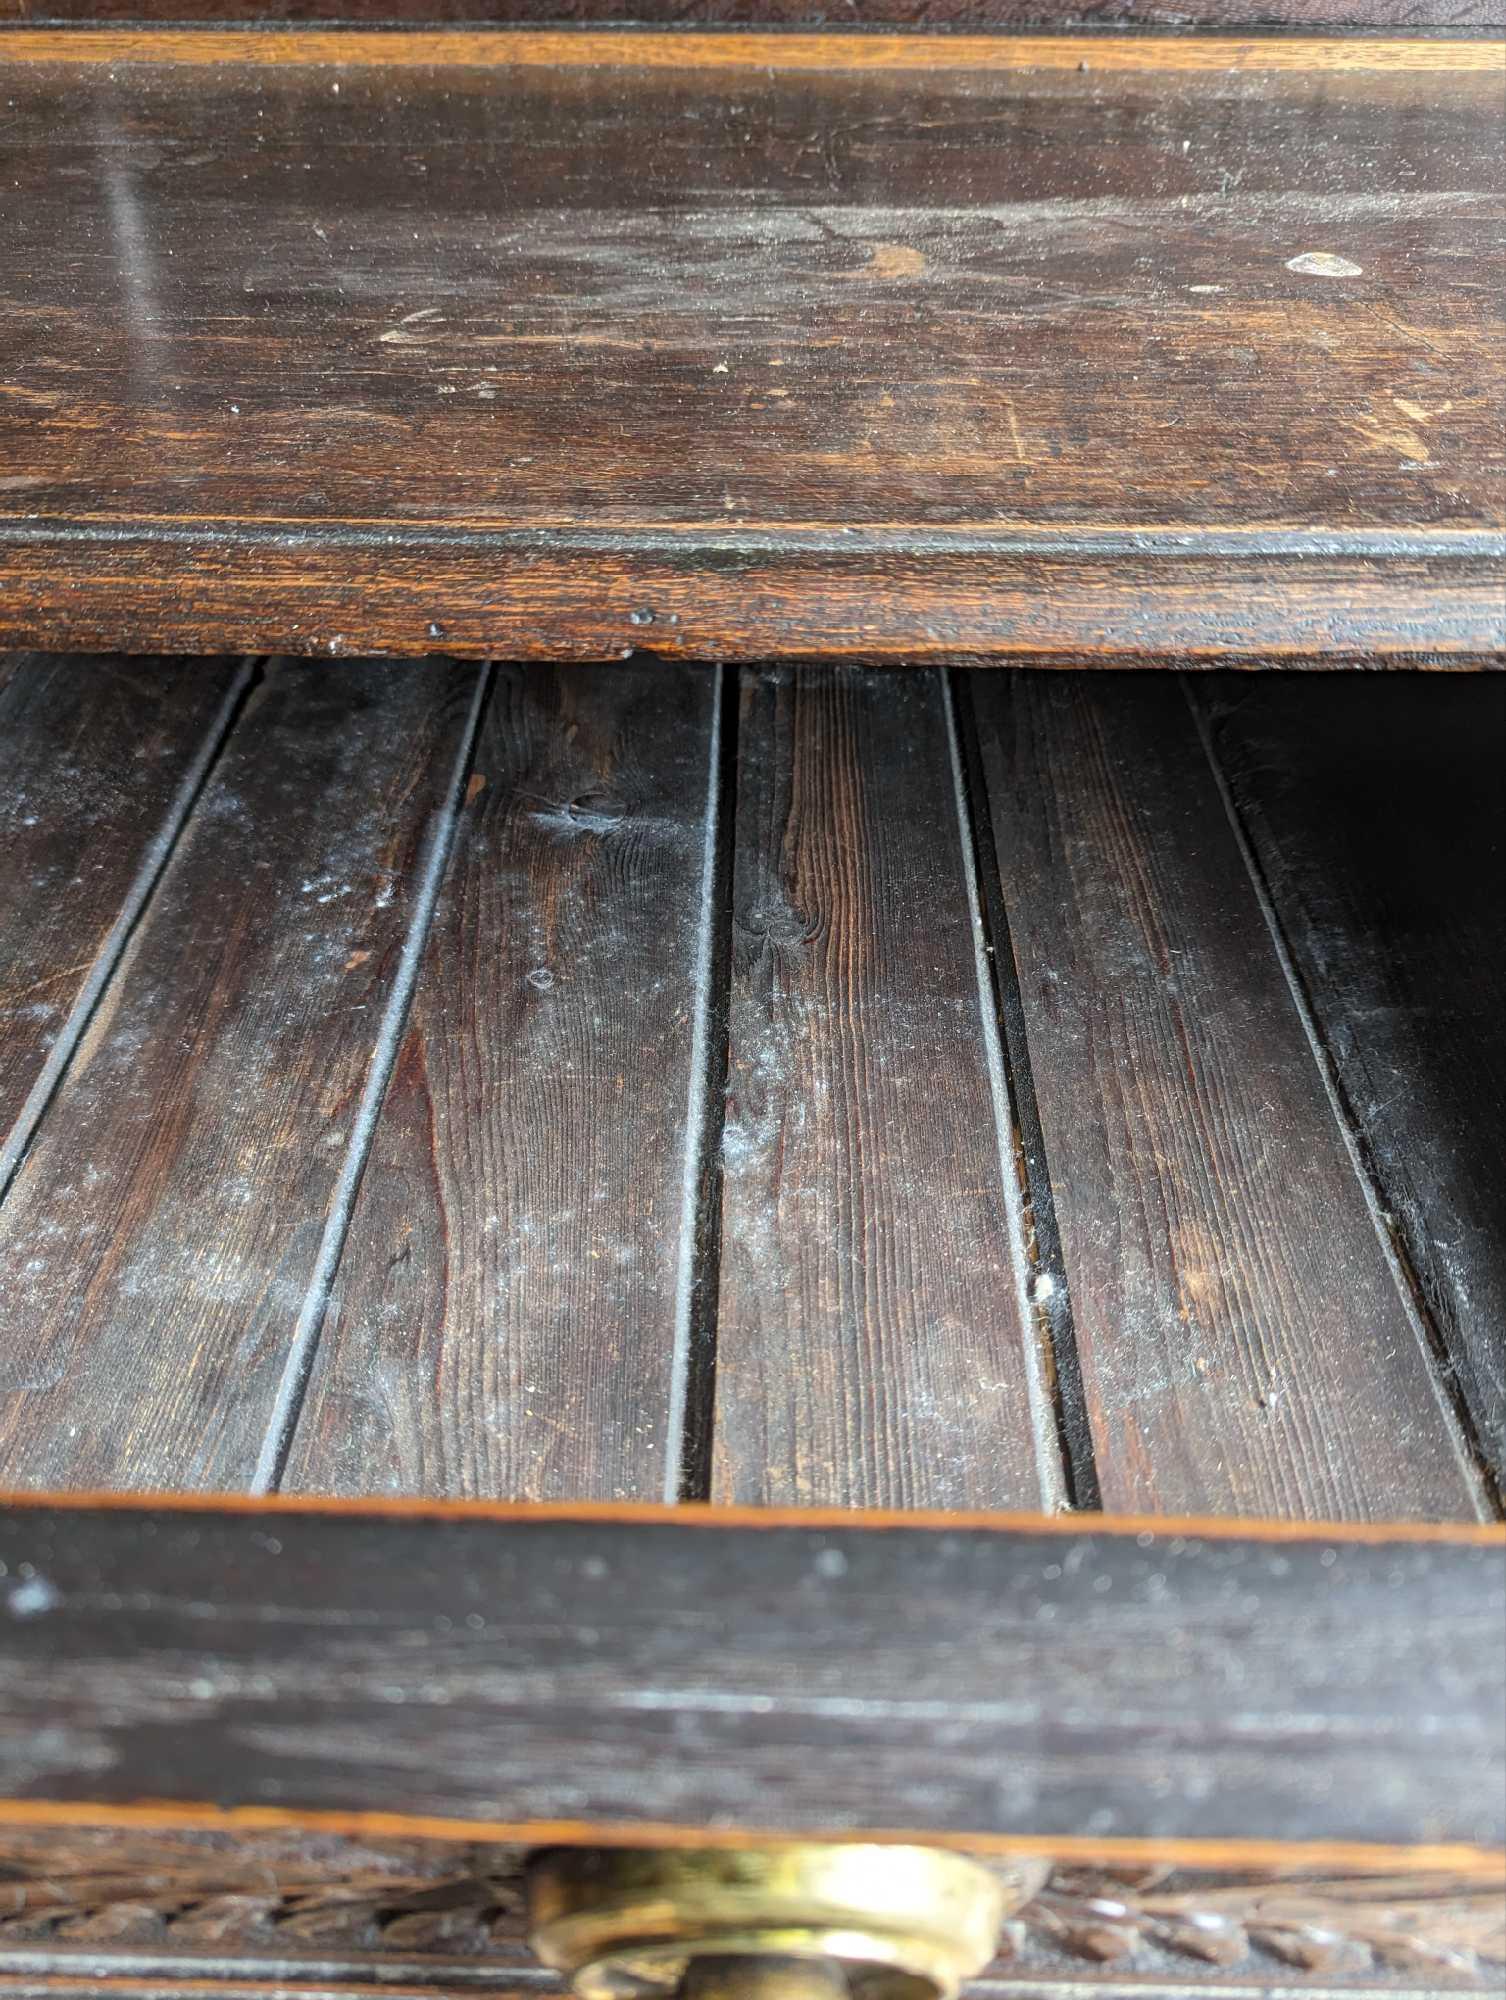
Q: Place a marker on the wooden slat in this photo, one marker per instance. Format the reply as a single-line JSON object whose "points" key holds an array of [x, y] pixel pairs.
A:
{"points": [[1375, 813], [161, 1238], [875, 1346], [1226, 1696], [506, 1317], [95, 756], [1243, 1342], [659, 368]]}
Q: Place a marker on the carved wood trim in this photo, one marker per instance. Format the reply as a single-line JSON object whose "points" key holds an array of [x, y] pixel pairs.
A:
{"points": [[1316, 1924], [256, 1897]]}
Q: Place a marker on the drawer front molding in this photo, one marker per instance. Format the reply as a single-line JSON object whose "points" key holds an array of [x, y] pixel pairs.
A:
{"points": [[281, 1901]]}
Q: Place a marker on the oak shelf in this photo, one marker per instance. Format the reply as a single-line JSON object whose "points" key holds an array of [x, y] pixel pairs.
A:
{"points": [[564, 344]]}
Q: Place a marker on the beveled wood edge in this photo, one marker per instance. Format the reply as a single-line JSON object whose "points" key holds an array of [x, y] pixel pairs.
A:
{"points": [[650, 48], [1482, 1864], [708, 1514], [183, 589]]}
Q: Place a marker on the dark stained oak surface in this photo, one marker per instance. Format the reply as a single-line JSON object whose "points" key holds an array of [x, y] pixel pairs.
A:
{"points": [[876, 1345], [558, 344], [1073, 1686], [1245, 1346], [158, 1245], [1380, 827], [508, 1310]]}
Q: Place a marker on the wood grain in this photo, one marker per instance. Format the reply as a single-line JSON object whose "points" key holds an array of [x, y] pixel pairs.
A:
{"points": [[1051, 1685], [94, 756], [830, 51], [506, 1315], [1378, 827], [285, 370], [721, 599], [875, 1344], [157, 1245], [1243, 1341]]}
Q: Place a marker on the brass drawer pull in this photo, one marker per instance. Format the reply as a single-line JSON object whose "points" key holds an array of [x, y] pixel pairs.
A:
{"points": [[794, 1921]]}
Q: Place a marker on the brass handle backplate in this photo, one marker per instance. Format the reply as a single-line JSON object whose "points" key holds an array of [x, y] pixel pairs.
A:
{"points": [[792, 1921]]}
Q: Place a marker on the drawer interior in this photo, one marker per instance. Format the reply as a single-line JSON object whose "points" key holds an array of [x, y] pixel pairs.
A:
{"points": [[781, 1086], [830, 1089]]}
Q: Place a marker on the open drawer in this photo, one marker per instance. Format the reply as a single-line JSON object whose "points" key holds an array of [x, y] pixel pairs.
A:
{"points": [[852, 1309], [962, 1127]]}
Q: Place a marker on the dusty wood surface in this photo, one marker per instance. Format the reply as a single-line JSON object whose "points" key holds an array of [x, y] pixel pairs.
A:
{"points": [[483, 1678], [507, 1313], [1245, 1345], [98, 758], [161, 1241], [1378, 827], [875, 1341], [683, 1171], [821, 344], [1202, 1691]]}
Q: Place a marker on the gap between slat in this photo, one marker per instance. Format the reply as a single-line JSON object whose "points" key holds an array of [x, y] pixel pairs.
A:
{"points": [[158, 853], [1004, 1019], [288, 1402], [1062, 1480], [1467, 1442], [692, 1389]]}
